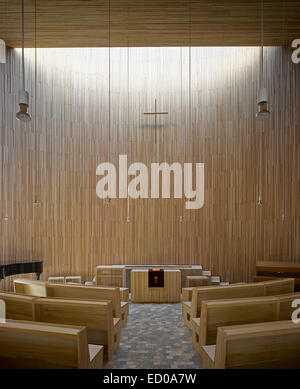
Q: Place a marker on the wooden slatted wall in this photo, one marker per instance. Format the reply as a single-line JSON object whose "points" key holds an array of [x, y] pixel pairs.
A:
{"points": [[211, 119]]}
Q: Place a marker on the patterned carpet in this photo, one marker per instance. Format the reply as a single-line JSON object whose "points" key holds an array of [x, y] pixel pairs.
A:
{"points": [[155, 338]]}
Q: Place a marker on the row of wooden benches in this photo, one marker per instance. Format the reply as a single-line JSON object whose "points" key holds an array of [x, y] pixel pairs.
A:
{"points": [[118, 296], [245, 325], [193, 297], [61, 325]]}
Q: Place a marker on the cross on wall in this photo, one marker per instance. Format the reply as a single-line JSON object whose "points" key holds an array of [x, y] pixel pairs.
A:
{"points": [[155, 113]]}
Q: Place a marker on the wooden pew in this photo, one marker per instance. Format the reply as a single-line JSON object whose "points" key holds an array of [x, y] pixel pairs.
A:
{"points": [[272, 345], [110, 276], [188, 292], [18, 307], [221, 313], [46, 346], [44, 289], [124, 293], [30, 287], [120, 309], [193, 309], [274, 287], [282, 269], [102, 328], [285, 305]]}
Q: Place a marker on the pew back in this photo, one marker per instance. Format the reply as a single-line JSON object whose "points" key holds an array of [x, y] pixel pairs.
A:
{"points": [[260, 345], [187, 293], [40, 345], [30, 287], [223, 292], [94, 315], [220, 313], [87, 293], [274, 287], [18, 307], [91, 314]]}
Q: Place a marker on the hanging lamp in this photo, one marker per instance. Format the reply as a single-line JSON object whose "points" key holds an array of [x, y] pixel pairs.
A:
{"points": [[262, 102], [2, 51], [23, 95]]}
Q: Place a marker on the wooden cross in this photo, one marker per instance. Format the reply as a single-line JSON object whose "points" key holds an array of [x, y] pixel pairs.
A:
{"points": [[155, 113]]}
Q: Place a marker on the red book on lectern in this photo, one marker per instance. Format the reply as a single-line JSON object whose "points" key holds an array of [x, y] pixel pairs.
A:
{"points": [[156, 278]]}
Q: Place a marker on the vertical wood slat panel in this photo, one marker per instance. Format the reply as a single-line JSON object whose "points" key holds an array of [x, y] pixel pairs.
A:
{"points": [[55, 159]]}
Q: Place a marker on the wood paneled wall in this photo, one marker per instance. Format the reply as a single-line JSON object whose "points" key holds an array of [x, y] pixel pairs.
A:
{"points": [[140, 23], [211, 102]]}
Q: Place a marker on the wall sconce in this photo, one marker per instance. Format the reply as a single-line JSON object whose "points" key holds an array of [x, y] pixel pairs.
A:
{"points": [[259, 200], [36, 201]]}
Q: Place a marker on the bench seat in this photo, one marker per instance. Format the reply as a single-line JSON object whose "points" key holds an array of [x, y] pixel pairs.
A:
{"points": [[270, 345], [35, 345]]}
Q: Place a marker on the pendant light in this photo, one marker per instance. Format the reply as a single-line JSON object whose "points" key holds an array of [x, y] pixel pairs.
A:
{"points": [[108, 199], [23, 95], [262, 102]]}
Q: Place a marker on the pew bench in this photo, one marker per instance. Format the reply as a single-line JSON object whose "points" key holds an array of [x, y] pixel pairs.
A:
{"points": [[285, 305], [87, 293], [124, 293], [221, 313], [187, 293], [102, 328], [120, 310], [44, 289], [35, 345], [271, 345], [281, 286], [30, 287], [194, 281], [192, 309], [18, 307]]}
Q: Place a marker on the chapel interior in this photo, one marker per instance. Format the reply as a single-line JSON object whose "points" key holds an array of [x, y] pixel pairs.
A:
{"points": [[150, 184]]}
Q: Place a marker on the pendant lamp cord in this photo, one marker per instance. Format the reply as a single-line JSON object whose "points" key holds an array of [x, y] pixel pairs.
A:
{"points": [[262, 46], [23, 62]]}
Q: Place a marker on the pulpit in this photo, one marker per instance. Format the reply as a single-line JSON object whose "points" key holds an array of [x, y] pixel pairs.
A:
{"points": [[155, 286]]}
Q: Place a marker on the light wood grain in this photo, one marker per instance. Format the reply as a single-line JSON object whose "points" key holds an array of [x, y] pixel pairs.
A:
{"points": [[18, 307], [110, 276], [44, 289], [192, 281], [30, 287], [192, 308], [43, 345], [94, 315], [76, 23], [285, 305], [273, 345], [221, 313], [55, 157], [275, 287], [88, 293]]}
